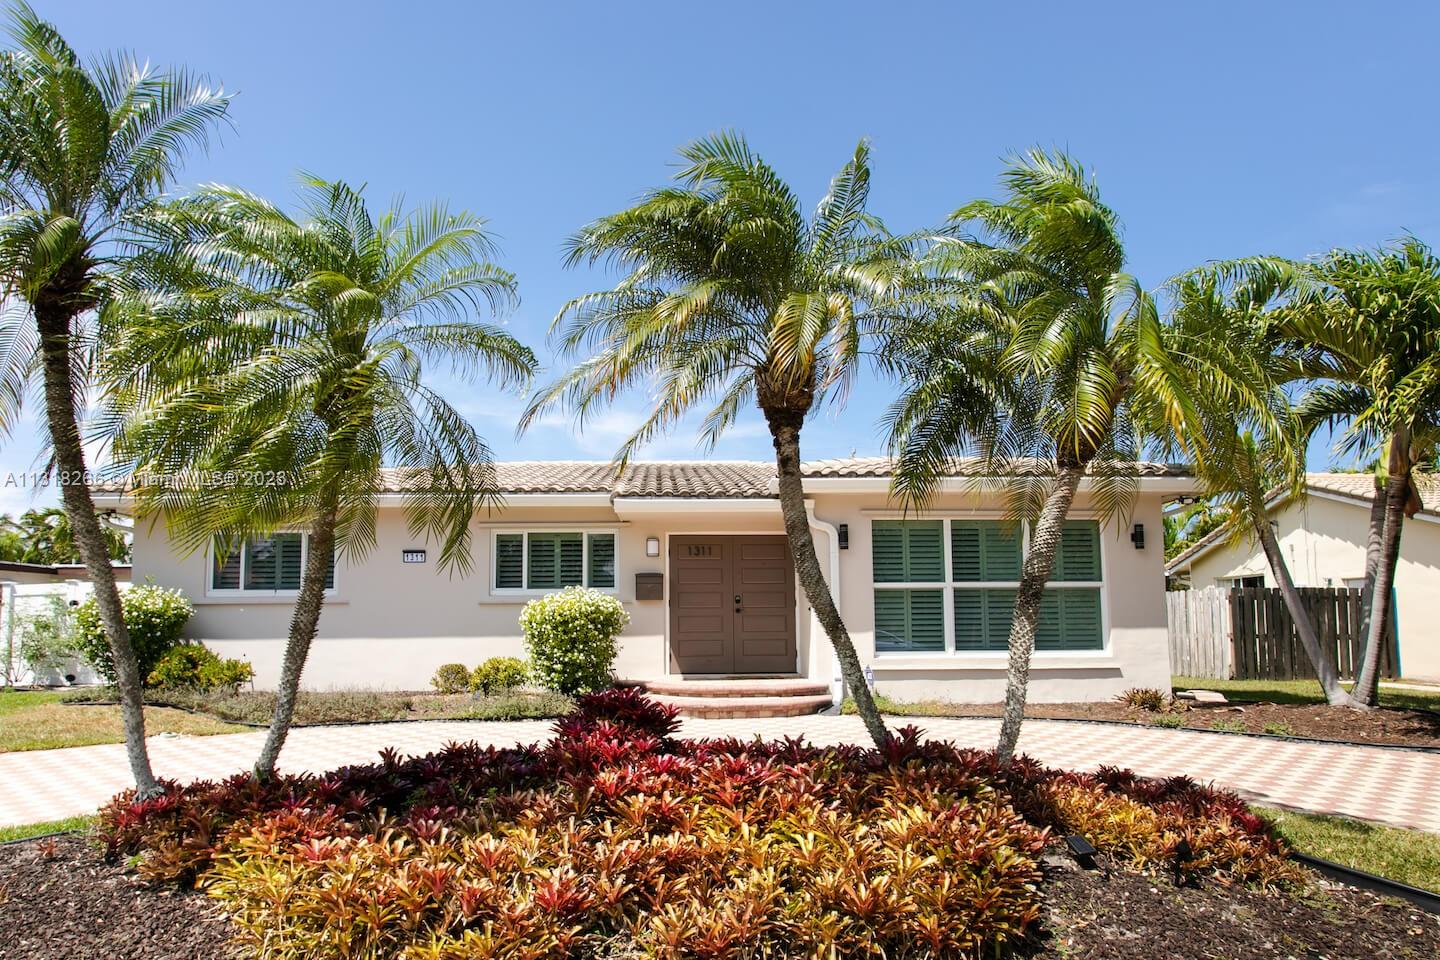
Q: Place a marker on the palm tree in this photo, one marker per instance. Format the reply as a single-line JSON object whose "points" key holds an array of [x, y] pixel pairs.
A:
{"points": [[1038, 279], [1365, 335], [44, 536], [293, 353], [84, 149], [733, 296], [1227, 310]]}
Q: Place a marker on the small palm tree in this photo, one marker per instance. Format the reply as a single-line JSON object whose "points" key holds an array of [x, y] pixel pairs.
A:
{"points": [[1039, 293], [1364, 334], [293, 353], [1228, 311], [732, 297], [84, 149]]}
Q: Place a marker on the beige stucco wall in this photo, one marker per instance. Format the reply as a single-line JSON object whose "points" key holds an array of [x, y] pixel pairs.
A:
{"points": [[1323, 540], [389, 624]]}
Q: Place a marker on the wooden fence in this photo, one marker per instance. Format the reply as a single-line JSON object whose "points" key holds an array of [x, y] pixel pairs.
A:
{"points": [[1247, 633], [1199, 632]]}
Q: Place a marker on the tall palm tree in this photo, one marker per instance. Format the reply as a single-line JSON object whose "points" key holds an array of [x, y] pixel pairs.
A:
{"points": [[293, 353], [732, 296], [1365, 336], [84, 149], [1039, 275], [45, 537], [1228, 311]]}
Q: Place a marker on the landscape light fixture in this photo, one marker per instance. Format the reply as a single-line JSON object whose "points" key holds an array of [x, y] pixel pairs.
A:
{"points": [[1083, 850]]}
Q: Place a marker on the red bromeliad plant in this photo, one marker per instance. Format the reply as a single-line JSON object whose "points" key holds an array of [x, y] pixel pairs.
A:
{"points": [[617, 838]]}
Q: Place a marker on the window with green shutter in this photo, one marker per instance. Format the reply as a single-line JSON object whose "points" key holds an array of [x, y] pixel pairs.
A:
{"points": [[555, 560], [1079, 555], [908, 551], [910, 621], [544, 560], [602, 559], [984, 550], [985, 557], [264, 565]]}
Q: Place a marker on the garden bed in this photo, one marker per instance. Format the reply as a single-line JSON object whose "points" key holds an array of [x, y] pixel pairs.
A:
{"points": [[1386, 725], [616, 839], [61, 901]]}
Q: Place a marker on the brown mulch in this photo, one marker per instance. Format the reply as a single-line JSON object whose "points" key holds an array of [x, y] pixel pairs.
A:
{"points": [[1389, 725], [60, 901], [1087, 916]]}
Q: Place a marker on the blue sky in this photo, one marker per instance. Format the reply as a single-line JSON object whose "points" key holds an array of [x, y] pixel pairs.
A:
{"points": [[1215, 131]]}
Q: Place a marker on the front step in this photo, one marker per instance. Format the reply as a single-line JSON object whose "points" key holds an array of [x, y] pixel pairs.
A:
{"points": [[740, 698]]}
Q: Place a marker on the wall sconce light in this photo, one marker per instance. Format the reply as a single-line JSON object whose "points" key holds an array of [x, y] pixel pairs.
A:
{"points": [[1137, 536], [844, 536], [652, 546]]}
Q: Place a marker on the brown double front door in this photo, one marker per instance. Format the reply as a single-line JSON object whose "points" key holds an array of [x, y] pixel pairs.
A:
{"points": [[732, 605]]}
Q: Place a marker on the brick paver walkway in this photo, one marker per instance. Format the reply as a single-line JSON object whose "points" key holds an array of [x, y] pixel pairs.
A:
{"points": [[1393, 786]]}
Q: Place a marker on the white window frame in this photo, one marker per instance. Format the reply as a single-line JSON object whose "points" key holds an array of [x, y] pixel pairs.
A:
{"points": [[585, 534], [950, 585], [212, 591]]}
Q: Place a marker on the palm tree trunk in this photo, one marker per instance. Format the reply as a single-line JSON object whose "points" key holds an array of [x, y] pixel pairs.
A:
{"points": [[1039, 562], [1335, 694], [1372, 558], [304, 624], [785, 433], [1380, 586], [54, 328]]}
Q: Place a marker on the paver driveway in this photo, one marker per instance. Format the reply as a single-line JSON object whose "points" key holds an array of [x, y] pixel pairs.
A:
{"points": [[1392, 786]]}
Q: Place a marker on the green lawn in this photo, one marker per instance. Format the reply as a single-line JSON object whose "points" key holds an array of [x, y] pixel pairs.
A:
{"points": [[1408, 856], [1302, 691], [37, 720], [40, 829]]}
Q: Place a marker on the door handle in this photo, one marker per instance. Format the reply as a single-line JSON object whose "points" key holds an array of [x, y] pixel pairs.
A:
{"points": [[739, 608]]}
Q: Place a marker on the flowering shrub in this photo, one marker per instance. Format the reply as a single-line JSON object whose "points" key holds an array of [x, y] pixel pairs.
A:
{"points": [[451, 678], [616, 840], [571, 636], [499, 673], [194, 666], [156, 616]]}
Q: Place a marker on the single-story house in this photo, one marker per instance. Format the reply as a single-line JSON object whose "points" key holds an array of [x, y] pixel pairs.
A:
{"points": [[1323, 537], [58, 573], [696, 551]]}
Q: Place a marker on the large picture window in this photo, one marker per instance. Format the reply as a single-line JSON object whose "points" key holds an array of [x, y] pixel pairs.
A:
{"points": [[543, 560], [949, 586], [263, 565]]}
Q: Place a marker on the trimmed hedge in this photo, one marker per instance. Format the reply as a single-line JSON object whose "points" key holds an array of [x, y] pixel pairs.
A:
{"points": [[571, 638]]}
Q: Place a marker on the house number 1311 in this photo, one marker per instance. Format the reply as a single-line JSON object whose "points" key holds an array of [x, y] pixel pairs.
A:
{"points": [[699, 550]]}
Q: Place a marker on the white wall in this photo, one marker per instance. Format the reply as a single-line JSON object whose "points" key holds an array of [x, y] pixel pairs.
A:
{"points": [[390, 624], [1323, 540]]}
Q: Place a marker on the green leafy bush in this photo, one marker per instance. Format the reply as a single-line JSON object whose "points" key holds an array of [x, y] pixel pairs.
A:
{"points": [[499, 673], [47, 637], [571, 637], [194, 666], [451, 678], [156, 617], [1171, 720]]}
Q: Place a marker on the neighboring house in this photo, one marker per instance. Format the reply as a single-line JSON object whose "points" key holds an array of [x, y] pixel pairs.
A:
{"points": [[697, 553], [1323, 538]]}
